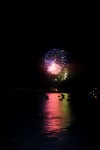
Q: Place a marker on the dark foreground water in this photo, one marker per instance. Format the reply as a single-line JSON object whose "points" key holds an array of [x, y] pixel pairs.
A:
{"points": [[48, 121]]}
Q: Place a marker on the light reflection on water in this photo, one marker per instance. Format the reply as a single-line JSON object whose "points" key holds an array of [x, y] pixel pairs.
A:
{"points": [[57, 114]]}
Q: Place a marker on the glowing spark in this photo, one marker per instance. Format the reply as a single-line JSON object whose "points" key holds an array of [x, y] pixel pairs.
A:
{"points": [[54, 68]]}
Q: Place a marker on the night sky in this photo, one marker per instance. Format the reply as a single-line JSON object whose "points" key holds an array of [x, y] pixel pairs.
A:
{"points": [[24, 45]]}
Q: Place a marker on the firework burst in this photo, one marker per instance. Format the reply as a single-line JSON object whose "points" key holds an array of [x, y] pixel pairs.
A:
{"points": [[55, 64]]}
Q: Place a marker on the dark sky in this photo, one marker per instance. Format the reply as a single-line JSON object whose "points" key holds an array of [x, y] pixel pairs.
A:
{"points": [[24, 44]]}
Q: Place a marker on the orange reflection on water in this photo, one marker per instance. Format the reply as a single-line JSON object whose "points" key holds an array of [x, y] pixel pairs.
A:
{"points": [[57, 113]]}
